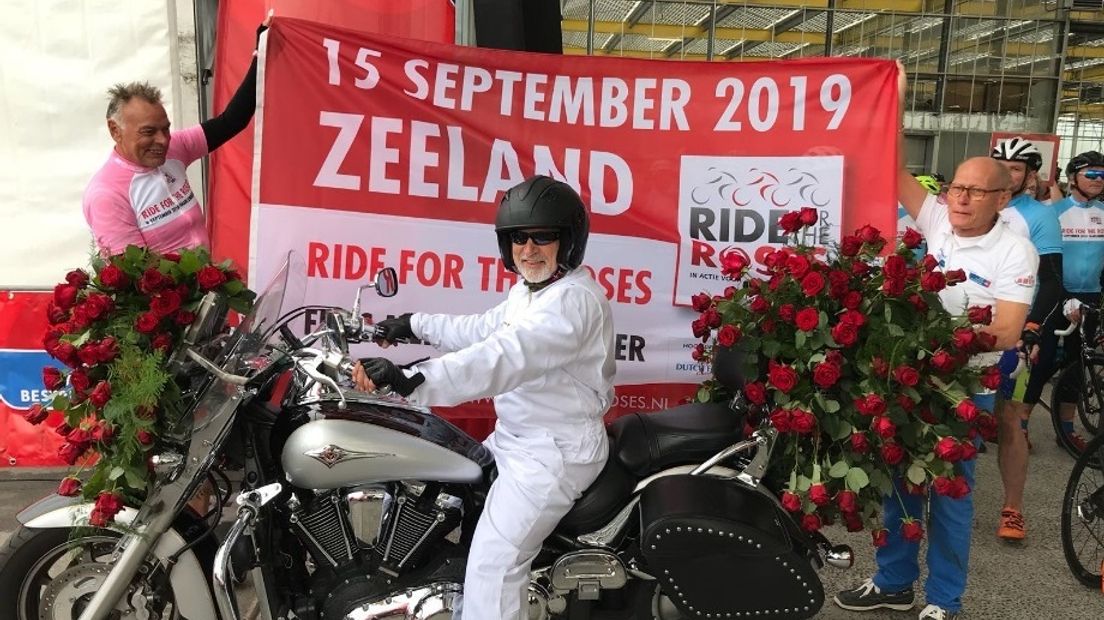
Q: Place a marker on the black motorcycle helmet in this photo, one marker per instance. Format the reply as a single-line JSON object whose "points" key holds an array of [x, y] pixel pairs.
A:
{"points": [[544, 202], [1082, 161]]}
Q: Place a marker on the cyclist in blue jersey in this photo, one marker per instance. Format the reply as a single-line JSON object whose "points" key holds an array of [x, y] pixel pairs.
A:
{"points": [[1081, 215], [1039, 223]]}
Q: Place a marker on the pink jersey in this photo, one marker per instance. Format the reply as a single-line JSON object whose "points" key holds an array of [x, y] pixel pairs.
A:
{"points": [[126, 203]]}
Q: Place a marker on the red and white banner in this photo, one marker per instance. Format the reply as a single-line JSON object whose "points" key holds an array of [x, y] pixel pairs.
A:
{"points": [[378, 151]]}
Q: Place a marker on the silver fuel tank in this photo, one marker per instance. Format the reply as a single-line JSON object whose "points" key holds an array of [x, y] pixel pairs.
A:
{"points": [[368, 443]]}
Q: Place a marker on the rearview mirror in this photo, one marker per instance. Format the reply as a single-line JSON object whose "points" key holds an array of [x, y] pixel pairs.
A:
{"points": [[387, 282]]}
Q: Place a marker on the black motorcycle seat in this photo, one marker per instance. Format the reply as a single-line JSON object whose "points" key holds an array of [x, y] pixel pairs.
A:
{"points": [[648, 442], [601, 501]]}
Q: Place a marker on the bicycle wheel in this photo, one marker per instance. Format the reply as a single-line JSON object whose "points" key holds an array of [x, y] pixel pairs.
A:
{"points": [[1088, 403], [1083, 516], [1093, 401]]}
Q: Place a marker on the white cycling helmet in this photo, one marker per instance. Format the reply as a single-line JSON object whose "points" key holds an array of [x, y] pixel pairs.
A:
{"points": [[1018, 149]]}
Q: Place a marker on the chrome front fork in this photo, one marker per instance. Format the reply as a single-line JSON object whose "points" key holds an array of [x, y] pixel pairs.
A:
{"points": [[249, 507]]}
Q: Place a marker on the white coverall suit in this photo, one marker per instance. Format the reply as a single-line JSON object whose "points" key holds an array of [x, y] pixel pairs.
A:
{"points": [[547, 358]]}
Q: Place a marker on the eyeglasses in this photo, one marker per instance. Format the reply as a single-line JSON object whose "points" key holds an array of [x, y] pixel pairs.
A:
{"points": [[976, 193], [1093, 175], [539, 237]]}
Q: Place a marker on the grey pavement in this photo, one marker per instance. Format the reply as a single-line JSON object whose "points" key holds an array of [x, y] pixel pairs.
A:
{"points": [[1006, 581]]}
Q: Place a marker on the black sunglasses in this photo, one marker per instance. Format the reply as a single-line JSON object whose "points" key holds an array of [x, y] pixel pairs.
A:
{"points": [[539, 237]]}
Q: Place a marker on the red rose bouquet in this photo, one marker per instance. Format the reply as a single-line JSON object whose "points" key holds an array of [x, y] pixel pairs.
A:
{"points": [[853, 359], [113, 328]]}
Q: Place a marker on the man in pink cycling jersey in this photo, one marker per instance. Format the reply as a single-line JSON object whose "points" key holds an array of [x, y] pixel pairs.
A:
{"points": [[141, 196]]}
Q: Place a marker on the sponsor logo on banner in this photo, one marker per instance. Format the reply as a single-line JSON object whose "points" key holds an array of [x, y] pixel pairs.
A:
{"points": [[21, 378], [731, 205]]}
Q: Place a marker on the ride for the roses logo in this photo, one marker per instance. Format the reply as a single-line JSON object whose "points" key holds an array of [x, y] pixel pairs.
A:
{"points": [[731, 206]]}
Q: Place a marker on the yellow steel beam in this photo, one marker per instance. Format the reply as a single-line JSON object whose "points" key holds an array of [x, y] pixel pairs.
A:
{"points": [[1090, 74], [672, 31], [898, 6], [1085, 51]]}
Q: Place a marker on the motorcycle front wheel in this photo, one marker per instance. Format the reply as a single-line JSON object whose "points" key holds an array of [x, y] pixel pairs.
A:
{"points": [[52, 574]]}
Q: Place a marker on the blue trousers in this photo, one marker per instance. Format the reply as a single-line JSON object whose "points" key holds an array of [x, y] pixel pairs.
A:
{"points": [[948, 534]]}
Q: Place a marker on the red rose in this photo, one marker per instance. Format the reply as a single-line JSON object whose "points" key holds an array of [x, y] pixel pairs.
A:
{"points": [[698, 354], [700, 302], [791, 502], [184, 317], [108, 350], [798, 266], [98, 306], [807, 319], [153, 281], [71, 452], [52, 378], [100, 394], [819, 495], [781, 420], [850, 245], [79, 380], [36, 414], [859, 268], [65, 296], [759, 304], [109, 503], [810, 523], [895, 267], [969, 450], [69, 487], [833, 356], [948, 449], [869, 234], [80, 318], [210, 277], [728, 335], [912, 530], [162, 342], [955, 276], [987, 426], [980, 315], [871, 404], [790, 222], [171, 256], [66, 353], [63, 429], [733, 264], [986, 341], [756, 392], [845, 334], [826, 374], [943, 361], [884, 427], [787, 312], [852, 300], [912, 239], [113, 278], [967, 410], [918, 302], [892, 453], [147, 323], [89, 353], [906, 375], [893, 287], [165, 303], [711, 317], [77, 278], [700, 329], [853, 521], [729, 292], [55, 315], [767, 326], [859, 443], [802, 422], [848, 501], [915, 489], [961, 488], [880, 537], [808, 216], [782, 377], [145, 438], [812, 283], [98, 519], [928, 263], [964, 339], [933, 282], [103, 432]]}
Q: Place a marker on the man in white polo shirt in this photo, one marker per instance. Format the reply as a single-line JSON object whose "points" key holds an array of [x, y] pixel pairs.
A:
{"points": [[962, 233]]}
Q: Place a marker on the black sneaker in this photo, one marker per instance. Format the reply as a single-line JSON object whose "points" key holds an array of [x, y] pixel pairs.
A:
{"points": [[868, 596]]}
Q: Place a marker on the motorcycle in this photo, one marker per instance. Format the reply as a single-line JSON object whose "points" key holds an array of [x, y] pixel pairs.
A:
{"points": [[356, 506]]}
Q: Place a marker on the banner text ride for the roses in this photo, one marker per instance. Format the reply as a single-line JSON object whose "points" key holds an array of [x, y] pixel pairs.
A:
{"points": [[381, 152]]}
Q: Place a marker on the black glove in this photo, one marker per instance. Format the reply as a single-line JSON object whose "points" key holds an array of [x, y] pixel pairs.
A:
{"points": [[382, 372], [395, 330], [1030, 338]]}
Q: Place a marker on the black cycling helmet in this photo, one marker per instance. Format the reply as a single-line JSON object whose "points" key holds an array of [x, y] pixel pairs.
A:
{"points": [[544, 202], [1082, 161], [1018, 149]]}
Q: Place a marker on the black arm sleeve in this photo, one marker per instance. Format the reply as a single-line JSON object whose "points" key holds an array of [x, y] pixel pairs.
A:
{"points": [[238, 112], [1051, 292]]}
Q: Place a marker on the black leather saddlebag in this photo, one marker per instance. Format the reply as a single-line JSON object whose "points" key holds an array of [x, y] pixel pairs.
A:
{"points": [[722, 550]]}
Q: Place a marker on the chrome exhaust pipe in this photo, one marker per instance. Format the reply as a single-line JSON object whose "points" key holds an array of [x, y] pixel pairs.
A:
{"points": [[840, 556], [223, 572]]}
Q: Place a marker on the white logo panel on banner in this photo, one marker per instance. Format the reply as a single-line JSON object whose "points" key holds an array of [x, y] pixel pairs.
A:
{"points": [[732, 205]]}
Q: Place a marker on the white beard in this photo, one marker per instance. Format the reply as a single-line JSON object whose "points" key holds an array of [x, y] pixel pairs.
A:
{"points": [[536, 274]]}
